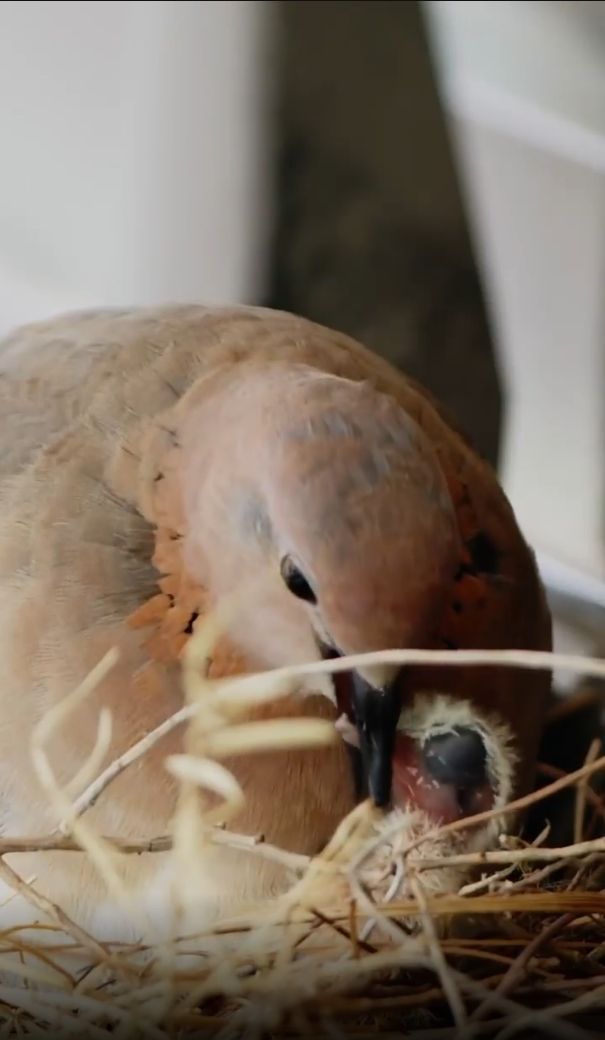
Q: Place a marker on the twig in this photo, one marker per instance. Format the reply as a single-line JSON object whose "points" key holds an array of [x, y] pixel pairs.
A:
{"points": [[516, 855], [547, 1017], [536, 877], [577, 701], [297, 862], [95, 789], [56, 914], [518, 967], [534, 660], [553, 773], [535, 903], [294, 861], [350, 935], [57, 843], [528, 855], [488, 880], [589, 862], [582, 791], [441, 966]]}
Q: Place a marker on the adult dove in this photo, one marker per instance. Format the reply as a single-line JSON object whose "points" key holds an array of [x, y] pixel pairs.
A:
{"points": [[153, 461]]}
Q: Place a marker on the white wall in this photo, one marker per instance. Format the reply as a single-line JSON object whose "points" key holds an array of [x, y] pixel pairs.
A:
{"points": [[524, 83], [134, 153]]}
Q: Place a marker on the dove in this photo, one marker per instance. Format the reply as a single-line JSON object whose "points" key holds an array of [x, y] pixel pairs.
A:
{"points": [[156, 459]]}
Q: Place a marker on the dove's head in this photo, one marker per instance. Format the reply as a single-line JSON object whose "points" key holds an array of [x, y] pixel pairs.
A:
{"points": [[342, 510]]}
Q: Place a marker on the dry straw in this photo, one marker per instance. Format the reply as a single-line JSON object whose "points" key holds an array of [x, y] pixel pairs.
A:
{"points": [[510, 942]]}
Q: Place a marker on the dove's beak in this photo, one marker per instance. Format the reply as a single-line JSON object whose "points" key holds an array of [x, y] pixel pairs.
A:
{"points": [[377, 711]]}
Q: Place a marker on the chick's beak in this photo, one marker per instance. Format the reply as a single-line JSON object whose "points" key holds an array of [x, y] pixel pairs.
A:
{"points": [[376, 715]]}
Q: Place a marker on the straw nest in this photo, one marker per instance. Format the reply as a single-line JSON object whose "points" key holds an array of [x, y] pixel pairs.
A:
{"points": [[396, 928]]}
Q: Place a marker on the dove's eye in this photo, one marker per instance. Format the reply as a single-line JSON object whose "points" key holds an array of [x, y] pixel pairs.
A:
{"points": [[296, 581]]}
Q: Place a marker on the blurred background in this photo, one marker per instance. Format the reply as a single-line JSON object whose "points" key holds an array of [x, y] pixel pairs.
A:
{"points": [[429, 177]]}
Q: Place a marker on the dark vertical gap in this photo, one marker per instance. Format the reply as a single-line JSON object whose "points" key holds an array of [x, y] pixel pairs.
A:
{"points": [[371, 234]]}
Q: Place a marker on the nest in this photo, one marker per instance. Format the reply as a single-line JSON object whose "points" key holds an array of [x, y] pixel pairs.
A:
{"points": [[395, 928]]}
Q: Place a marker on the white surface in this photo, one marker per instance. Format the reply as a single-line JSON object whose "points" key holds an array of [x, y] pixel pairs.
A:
{"points": [[538, 54], [525, 86], [134, 153], [540, 228]]}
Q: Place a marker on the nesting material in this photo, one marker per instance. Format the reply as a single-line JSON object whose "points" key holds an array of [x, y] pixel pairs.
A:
{"points": [[398, 925]]}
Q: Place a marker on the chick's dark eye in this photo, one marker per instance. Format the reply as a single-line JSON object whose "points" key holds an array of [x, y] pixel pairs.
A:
{"points": [[296, 581]]}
